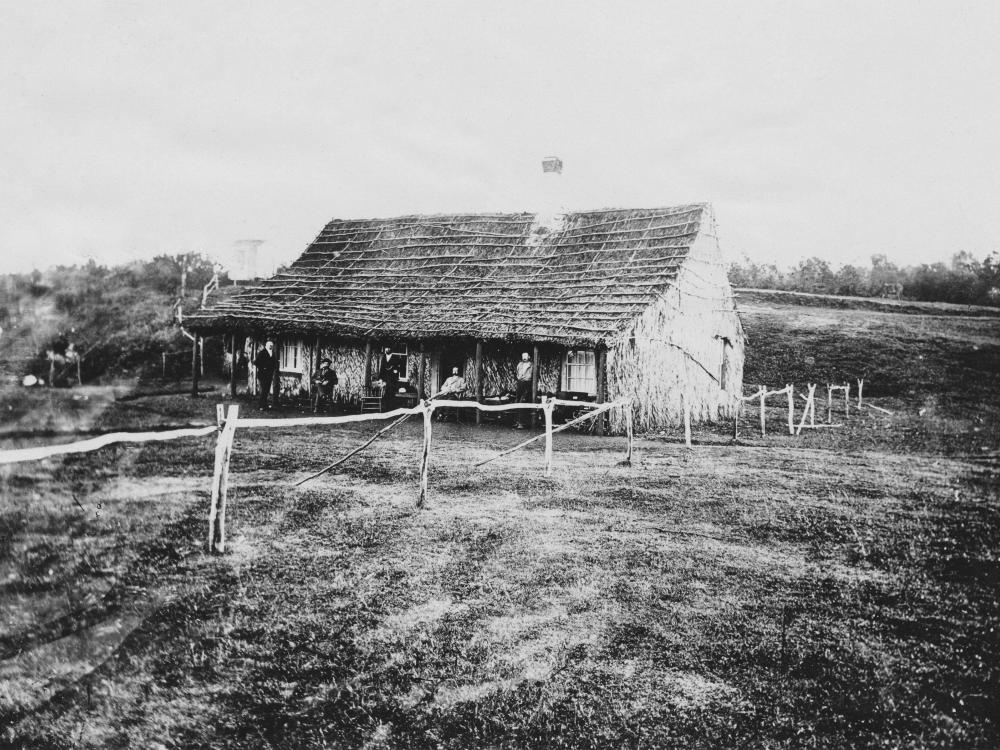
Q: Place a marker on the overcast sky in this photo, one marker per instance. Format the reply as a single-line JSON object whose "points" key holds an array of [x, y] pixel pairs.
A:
{"points": [[834, 129]]}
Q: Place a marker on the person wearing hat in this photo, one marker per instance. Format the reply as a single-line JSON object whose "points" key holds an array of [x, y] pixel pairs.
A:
{"points": [[265, 364], [323, 382]]}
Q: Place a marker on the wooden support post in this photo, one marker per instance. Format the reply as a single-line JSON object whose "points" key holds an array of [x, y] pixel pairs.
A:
{"points": [[220, 483], [829, 404], [763, 393], [368, 370], [421, 378], [547, 412], [736, 418], [627, 410], [534, 382], [687, 419], [861, 385], [194, 367], [276, 375], [812, 404], [232, 366], [809, 408], [602, 381], [791, 408], [847, 399], [163, 372], [428, 408], [479, 380]]}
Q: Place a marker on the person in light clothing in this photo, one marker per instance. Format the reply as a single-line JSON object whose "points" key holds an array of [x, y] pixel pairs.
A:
{"points": [[523, 394], [453, 386]]}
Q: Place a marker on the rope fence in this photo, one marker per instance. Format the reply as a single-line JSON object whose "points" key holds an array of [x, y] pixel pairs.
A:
{"points": [[232, 422], [229, 422]]}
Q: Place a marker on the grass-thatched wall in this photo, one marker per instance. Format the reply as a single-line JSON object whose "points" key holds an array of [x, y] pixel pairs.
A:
{"points": [[686, 348]]}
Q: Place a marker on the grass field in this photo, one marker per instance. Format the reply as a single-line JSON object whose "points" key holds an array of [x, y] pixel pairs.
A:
{"points": [[834, 589]]}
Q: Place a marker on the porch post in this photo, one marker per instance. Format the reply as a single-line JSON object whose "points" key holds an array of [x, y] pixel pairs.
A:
{"points": [[559, 370], [194, 367], [479, 379], [232, 365], [276, 377], [602, 381], [368, 367], [534, 381], [420, 371]]}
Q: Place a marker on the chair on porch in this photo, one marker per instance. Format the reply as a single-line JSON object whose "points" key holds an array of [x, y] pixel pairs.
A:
{"points": [[373, 398], [453, 413]]}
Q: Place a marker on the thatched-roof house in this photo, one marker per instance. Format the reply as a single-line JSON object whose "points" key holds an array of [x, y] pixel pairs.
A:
{"points": [[610, 303]]}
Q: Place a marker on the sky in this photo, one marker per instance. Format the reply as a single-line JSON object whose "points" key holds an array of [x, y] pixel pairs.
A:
{"points": [[830, 129]]}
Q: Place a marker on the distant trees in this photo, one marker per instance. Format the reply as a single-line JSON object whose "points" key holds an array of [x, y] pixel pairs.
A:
{"points": [[964, 280], [120, 318]]}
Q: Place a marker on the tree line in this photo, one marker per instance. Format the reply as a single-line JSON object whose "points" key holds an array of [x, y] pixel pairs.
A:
{"points": [[120, 319], [963, 280]]}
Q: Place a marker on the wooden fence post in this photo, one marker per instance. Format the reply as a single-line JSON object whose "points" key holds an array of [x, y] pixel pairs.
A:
{"points": [[847, 398], [428, 410], [829, 404], [763, 394], [220, 483], [736, 418], [791, 408], [812, 405], [861, 385], [547, 405], [809, 408]]}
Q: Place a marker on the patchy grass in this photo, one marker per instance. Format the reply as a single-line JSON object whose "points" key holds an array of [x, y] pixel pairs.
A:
{"points": [[828, 590]]}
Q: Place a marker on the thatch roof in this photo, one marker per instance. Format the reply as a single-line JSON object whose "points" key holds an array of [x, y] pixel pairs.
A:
{"points": [[488, 276]]}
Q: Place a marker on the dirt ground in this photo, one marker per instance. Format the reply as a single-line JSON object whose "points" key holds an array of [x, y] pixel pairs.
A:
{"points": [[834, 589]]}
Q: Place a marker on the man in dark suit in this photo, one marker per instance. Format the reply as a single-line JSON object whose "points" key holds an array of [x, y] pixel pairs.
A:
{"points": [[265, 364], [389, 366]]}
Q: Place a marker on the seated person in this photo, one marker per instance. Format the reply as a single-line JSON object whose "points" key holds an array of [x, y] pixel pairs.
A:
{"points": [[453, 386], [323, 382]]}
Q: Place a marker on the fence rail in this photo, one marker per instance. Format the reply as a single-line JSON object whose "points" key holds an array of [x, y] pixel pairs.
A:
{"points": [[17, 455]]}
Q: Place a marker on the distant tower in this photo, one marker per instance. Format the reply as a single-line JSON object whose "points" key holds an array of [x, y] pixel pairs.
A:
{"points": [[246, 260]]}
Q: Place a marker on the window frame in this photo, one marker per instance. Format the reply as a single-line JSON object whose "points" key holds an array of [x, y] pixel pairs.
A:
{"points": [[296, 347], [589, 367]]}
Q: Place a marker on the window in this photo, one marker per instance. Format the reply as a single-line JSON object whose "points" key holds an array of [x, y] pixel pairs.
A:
{"points": [[291, 356], [580, 372]]}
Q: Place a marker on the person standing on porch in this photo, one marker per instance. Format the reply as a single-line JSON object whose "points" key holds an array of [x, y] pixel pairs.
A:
{"points": [[388, 370], [523, 394], [264, 363]]}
